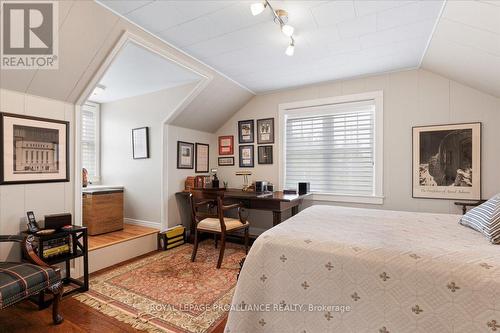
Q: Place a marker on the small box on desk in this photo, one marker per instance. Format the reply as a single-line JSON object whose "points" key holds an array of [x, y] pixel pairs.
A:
{"points": [[304, 188], [171, 238]]}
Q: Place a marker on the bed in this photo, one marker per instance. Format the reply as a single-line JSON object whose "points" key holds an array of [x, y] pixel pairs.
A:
{"points": [[338, 269]]}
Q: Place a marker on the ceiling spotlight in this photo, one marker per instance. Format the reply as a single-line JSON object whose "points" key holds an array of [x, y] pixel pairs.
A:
{"points": [[287, 30], [258, 8], [98, 90], [290, 50]]}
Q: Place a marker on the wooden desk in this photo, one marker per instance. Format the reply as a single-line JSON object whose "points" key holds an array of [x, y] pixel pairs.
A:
{"points": [[276, 202]]}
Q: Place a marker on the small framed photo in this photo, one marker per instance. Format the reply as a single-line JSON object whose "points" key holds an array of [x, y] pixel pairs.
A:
{"points": [[185, 155], [202, 157], [246, 156], [447, 161], [226, 145], [33, 150], [265, 154], [226, 161], [246, 131], [265, 131], [140, 143]]}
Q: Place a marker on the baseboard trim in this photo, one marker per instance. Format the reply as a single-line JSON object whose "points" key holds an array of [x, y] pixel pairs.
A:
{"points": [[142, 223]]}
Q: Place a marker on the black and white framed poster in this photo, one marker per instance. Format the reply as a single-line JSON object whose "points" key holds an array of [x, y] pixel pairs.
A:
{"points": [[140, 143], [246, 156], [185, 155], [265, 154], [33, 150], [202, 157], [245, 131], [447, 161], [265, 131]]}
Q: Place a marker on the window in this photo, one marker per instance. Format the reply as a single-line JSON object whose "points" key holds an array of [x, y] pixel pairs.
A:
{"points": [[90, 140], [335, 145]]}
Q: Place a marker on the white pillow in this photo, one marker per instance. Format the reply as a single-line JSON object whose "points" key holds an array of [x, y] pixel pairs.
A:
{"points": [[485, 218]]}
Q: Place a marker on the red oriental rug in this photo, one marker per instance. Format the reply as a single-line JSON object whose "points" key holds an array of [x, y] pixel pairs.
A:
{"points": [[166, 292]]}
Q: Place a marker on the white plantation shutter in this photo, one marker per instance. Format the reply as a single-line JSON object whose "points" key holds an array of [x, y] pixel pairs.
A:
{"points": [[332, 147], [89, 139]]}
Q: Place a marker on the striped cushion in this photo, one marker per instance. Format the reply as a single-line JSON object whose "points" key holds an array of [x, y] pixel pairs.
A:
{"points": [[485, 218], [18, 281]]}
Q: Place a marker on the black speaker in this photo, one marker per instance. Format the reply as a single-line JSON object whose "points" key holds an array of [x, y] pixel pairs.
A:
{"points": [[304, 188], [260, 186]]}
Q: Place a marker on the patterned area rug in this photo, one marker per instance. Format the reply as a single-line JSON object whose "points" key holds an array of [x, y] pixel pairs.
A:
{"points": [[166, 292]]}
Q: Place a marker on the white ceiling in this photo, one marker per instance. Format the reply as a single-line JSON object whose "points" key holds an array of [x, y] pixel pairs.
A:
{"points": [[466, 44], [334, 39], [137, 71]]}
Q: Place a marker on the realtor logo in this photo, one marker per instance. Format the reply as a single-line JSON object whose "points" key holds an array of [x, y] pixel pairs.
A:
{"points": [[29, 36]]}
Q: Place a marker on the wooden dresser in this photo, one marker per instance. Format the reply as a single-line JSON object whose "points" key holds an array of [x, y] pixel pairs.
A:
{"points": [[102, 210]]}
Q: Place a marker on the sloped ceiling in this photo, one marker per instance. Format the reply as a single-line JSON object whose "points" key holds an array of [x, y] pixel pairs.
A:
{"points": [[137, 71], [333, 39], [87, 34], [465, 46]]}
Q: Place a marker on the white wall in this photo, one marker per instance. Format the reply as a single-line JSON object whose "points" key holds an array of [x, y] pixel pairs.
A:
{"points": [[141, 178], [43, 199], [411, 98], [177, 177]]}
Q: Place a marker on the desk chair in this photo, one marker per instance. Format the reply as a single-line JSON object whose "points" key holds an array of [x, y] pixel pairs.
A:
{"points": [[213, 221]]}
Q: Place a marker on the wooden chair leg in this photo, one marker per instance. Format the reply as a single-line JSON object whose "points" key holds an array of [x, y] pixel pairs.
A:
{"points": [[57, 291], [215, 240], [195, 248], [246, 241], [222, 248]]}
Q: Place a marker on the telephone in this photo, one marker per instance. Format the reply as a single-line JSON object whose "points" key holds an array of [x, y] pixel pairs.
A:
{"points": [[32, 225]]}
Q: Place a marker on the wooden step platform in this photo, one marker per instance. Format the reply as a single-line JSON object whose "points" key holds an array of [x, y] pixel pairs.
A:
{"points": [[129, 232]]}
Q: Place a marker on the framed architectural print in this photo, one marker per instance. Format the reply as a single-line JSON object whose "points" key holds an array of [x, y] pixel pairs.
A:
{"points": [[246, 131], [202, 157], [226, 161], [246, 156], [185, 155], [447, 161], [265, 154], [226, 145], [33, 150], [265, 131], [140, 143]]}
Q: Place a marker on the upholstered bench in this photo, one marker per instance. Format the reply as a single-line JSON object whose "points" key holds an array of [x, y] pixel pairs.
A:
{"points": [[19, 281]]}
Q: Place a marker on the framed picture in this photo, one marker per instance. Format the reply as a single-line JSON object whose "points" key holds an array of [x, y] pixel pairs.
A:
{"points": [[265, 130], [226, 145], [202, 157], [140, 143], [185, 155], [33, 150], [447, 161], [246, 156], [265, 154], [226, 161], [245, 131]]}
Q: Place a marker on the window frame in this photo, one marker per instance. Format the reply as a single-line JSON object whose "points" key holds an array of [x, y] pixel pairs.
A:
{"points": [[295, 108], [97, 106]]}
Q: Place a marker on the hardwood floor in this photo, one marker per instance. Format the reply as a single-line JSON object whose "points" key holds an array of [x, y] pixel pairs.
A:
{"points": [[130, 231], [78, 318]]}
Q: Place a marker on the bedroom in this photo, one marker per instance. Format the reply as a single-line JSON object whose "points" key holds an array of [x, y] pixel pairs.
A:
{"points": [[397, 67]]}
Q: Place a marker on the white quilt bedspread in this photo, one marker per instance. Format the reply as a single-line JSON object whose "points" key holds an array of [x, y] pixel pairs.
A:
{"points": [[336, 269]]}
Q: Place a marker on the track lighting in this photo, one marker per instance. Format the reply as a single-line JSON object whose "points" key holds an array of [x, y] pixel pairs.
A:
{"points": [[287, 30], [290, 50], [281, 18], [258, 8]]}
